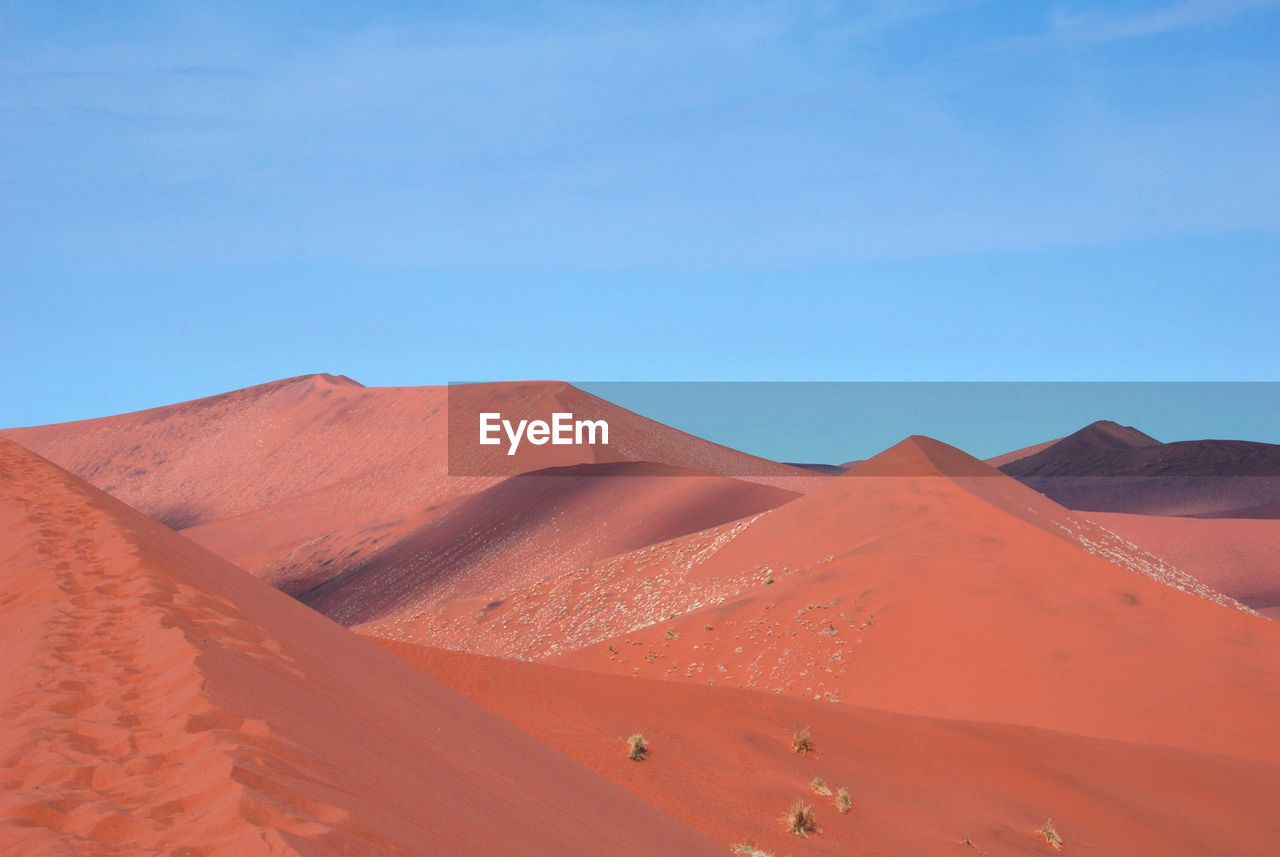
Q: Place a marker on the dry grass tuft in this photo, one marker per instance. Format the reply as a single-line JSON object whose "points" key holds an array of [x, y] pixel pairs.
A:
{"points": [[1050, 835], [802, 741], [819, 786], [843, 802], [638, 748], [749, 849], [799, 819]]}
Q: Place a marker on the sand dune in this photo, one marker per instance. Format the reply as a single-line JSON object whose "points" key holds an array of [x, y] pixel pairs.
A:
{"points": [[721, 761], [157, 700], [535, 527], [972, 657], [300, 479], [922, 581], [1106, 467], [957, 596], [1017, 454]]}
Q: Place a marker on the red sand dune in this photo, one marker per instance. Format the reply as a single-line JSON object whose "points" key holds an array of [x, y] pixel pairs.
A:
{"points": [[300, 479], [961, 596], [1106, 467], [1018, 454], [720, 760], [1238, 557], [536, 527], [1079, 450], [156, 699]]}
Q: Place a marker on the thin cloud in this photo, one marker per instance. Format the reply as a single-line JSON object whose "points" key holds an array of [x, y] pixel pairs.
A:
{"points": [[1067, 28]]}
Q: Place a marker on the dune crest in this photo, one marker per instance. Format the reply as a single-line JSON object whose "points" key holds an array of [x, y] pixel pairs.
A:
{"points": [[1106, 467], [302, 479]]}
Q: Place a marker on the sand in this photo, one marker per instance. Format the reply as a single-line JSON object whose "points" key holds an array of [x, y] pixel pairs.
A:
{"points": [[158, 700]]}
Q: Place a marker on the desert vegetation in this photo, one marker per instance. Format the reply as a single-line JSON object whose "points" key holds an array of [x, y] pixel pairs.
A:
{"points": [[799, 819], [802, 741], [637, 748], [1051, 835]]}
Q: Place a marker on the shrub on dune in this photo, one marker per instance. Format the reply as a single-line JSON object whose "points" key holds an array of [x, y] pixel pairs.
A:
{"points": [[638, 749], [802, 741], [799, 819], [1051, 835]]}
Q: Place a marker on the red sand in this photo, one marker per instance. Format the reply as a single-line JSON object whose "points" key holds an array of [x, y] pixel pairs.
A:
{"points": [[300, 479], [536, 527], [153, 692], [156, 699], [1239, 557], [962, 597], [720, 760]]}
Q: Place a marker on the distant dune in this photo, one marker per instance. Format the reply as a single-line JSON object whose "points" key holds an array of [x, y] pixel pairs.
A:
{"points": [[828, 469], [1017, 454], [157, 700], [1106, 467]]}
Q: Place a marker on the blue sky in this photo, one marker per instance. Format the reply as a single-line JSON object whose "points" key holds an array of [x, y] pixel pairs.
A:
{"points": [[197, 198]]}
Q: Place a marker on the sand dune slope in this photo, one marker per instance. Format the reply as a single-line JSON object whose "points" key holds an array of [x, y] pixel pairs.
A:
{"points": [[536, 527], [721, 760], [154, 699], [917, 584], [300, 479], [923, 581], [1236, 556]]}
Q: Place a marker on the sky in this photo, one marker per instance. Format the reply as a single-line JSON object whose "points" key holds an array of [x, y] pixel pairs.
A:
{"points": [[196, 198]]}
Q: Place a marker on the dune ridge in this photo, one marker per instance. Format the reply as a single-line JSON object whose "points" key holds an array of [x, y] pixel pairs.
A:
{"points": [[1106, 467], [305, 478], [159, 700]]}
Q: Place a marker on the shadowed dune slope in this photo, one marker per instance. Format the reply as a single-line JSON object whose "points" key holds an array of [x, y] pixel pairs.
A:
{"points": [[1106, 467], [1097, 445], [963, 596], [535, 527], [300, 479], [1007, 457], [157, 700], [720, 759]]}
